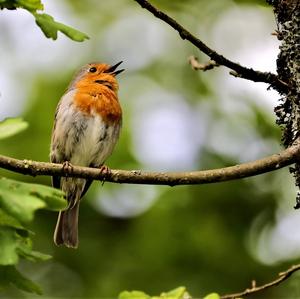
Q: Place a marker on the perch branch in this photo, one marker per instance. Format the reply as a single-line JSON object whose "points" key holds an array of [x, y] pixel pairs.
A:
{"points": [[270, 163], [254, 289], [244, 72]]}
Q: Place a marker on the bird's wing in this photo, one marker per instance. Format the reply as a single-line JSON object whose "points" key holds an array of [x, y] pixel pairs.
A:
{"points": [[53, 158], [55, 179], [87, 185]]}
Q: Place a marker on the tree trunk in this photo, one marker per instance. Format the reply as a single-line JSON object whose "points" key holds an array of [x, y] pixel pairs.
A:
{"points": [[287, 13]]}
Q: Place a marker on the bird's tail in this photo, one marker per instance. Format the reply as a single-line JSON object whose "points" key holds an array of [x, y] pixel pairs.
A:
{"points": [[66, 230]]}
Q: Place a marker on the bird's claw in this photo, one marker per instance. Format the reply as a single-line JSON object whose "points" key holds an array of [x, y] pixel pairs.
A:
{"points": [[106, 172], [67, 167]]}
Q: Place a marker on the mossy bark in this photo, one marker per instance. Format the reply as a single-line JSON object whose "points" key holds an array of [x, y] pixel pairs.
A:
{"points": [[287, 13]]}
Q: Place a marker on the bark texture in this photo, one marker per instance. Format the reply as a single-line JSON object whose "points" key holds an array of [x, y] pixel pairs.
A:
{"points": [[287, 13]]}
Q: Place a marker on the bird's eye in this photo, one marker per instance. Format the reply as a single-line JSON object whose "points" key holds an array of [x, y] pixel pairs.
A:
{"points": [[92, 69]]}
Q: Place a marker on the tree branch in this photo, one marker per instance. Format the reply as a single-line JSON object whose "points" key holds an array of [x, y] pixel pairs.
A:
{"points": [[244, 72], [254, 289], [274, 162]]}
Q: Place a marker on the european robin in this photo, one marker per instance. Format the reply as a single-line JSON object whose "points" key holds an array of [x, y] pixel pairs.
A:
{"points": [[86, 129]]}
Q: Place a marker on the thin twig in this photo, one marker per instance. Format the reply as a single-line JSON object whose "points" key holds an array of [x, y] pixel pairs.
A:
{"points": [[244, 72], [270, 163], [254, 289], [196, 65]]}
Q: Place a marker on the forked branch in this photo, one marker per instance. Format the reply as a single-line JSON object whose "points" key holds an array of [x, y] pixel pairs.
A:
{"points": [[243, 72]]}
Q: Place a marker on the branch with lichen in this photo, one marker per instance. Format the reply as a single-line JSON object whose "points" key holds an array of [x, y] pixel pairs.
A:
{"points": [[287, 14], [267, 164]]}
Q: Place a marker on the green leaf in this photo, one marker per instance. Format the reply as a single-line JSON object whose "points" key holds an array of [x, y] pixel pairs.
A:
{"points": [[15, 199], [34, 256], [50, 27], [133, 295], [12, 126], [9, 274], [8, 245], [47, 25], [30, 5], [12, 245], [54, 198], [21, 200], [212, 296], [46, 22], [18, 202], [7, 220], [71, 32], [177, 293]]}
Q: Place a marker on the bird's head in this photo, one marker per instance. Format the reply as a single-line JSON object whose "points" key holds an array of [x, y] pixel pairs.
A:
{"points": [[97, 73]]}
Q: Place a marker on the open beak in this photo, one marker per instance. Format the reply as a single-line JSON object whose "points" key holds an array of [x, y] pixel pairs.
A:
{"points": [[112, 69]]}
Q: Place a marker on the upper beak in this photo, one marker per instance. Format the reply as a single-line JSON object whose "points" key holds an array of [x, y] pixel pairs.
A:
{"points": [[112, 69]]}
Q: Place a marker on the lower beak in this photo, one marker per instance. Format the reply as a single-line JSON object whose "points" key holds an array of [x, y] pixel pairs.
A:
{"points": [[112, 69], [118, 72]]}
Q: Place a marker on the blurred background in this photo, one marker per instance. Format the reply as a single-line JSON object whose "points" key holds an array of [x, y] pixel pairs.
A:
{"points": [[154, 238]]}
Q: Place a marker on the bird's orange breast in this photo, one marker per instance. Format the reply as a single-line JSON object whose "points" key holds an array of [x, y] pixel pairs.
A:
{"points": [[100, 100]]}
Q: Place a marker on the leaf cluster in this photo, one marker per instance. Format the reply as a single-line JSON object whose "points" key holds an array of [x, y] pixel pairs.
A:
{"points": [[18, 203], [46, 22], [178, 293]]}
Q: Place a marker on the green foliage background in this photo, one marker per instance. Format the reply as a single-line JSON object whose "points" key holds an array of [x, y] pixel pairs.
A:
{"points": [[18, 203], [202, 237]]}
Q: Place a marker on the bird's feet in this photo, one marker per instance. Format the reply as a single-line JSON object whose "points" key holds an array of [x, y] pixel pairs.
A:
{"points": [[106, 172], [67, 168]]}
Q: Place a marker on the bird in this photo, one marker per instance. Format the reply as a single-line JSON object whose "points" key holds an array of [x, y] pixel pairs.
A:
{"points": [[86, 128]]}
